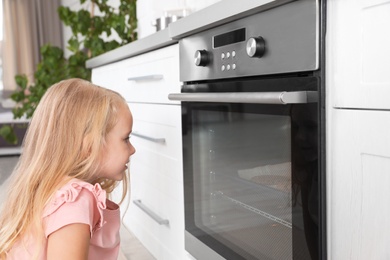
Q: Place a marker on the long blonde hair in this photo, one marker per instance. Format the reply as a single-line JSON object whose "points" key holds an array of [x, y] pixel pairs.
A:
{"points": [[63, 141]]}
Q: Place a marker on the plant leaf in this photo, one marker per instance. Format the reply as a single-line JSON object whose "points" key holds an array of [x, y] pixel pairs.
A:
{"points": [[7, 132]]}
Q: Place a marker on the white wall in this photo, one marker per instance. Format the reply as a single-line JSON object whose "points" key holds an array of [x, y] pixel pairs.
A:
{"points": [[147, 11]]}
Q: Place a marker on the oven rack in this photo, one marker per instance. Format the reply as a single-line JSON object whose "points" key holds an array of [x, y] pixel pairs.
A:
{"points": [[254, 210]]}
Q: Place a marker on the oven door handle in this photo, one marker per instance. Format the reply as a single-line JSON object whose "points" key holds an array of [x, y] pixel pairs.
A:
{"points": [[280, 98]]}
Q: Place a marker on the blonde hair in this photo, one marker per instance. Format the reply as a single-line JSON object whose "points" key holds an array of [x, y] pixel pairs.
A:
{"points": [[63, 141]]}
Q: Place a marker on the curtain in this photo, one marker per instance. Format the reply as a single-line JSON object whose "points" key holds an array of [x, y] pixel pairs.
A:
{"points": [[28, 24]]}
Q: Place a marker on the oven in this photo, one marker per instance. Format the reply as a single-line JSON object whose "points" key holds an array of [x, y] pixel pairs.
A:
{"points": [[253, 136]]}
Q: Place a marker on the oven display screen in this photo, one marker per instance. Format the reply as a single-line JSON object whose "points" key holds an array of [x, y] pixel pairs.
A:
{"points": [[229, 38]]}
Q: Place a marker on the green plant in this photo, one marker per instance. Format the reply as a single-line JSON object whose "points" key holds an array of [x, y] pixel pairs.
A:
{"points": [[89, 32]]}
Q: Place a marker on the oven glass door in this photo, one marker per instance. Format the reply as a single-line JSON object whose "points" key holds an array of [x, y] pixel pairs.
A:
{"points": [[251, 172]]}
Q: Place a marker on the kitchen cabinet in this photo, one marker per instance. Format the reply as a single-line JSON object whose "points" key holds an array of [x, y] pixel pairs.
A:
{"points": [[358, 53], [358, 185], [358, 116], [156, 211]]}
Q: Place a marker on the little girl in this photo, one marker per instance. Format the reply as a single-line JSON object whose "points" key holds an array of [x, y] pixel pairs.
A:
{"points": [[75, 151]]}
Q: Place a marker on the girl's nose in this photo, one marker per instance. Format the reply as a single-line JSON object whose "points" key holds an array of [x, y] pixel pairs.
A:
{"points": [[132, 149]]}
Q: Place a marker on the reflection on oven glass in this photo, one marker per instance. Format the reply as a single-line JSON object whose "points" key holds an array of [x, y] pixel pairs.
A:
{"points": [[305, 173], [277, 176]]}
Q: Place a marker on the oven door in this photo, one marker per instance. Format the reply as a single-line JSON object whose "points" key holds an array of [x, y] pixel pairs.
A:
{"points": [[251, 169]]}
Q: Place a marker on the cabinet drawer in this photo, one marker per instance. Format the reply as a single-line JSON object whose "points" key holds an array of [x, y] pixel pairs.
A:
{"points": [[159, 172], [146, 78], [157, 128], [163, 241]]}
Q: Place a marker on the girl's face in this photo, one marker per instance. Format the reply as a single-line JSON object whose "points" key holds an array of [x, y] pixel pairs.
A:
{"points": [[116, 154]]}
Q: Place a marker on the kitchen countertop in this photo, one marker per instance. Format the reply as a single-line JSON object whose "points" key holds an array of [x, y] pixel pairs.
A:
{"points": [[217, 14]]}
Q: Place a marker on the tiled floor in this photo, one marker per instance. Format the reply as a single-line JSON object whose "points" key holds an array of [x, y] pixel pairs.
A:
{"points": [[131, 248]]}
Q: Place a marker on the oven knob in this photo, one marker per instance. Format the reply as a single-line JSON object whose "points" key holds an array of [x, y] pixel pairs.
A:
{"points": [[255, 47], [201, 58]]}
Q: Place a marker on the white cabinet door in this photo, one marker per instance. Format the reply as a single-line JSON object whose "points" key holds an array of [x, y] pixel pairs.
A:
{"points": [[358, 53], [359, 185]]}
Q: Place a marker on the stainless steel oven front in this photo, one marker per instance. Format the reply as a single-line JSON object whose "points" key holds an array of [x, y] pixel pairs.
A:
{"points": [[253, 137]]}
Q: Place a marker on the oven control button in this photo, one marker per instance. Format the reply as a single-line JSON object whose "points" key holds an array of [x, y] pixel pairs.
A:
{"points": [[223, 67], [201, 58], [255, 47], [233, 54], [228, 55], [228, 67], [223, 55], [234, 66]]}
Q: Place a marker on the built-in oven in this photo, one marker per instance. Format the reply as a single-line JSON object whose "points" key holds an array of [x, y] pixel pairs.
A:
{"points": [[253, 137]]}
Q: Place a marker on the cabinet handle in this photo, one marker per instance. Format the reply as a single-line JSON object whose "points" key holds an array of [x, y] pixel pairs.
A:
{"points": [[151, 214], [146, 78], [155, 140], [281, 98]]}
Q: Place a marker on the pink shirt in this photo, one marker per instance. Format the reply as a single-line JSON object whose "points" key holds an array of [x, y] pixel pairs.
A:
{"points": [[78, 202]]}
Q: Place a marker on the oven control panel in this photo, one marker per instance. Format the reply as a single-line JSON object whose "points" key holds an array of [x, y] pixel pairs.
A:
{"points": [[255, 48], [280, 40]]}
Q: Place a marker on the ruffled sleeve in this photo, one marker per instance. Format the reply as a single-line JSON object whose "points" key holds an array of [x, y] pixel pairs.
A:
{"points": [[76, 202]]}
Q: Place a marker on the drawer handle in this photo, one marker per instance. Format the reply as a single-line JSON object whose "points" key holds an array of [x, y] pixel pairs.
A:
{"points": [[146, 78], [155, 140], [151, 214]]}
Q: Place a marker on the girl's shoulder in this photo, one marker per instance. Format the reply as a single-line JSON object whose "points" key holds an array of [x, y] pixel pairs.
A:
{"points": [[77, 194]]}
